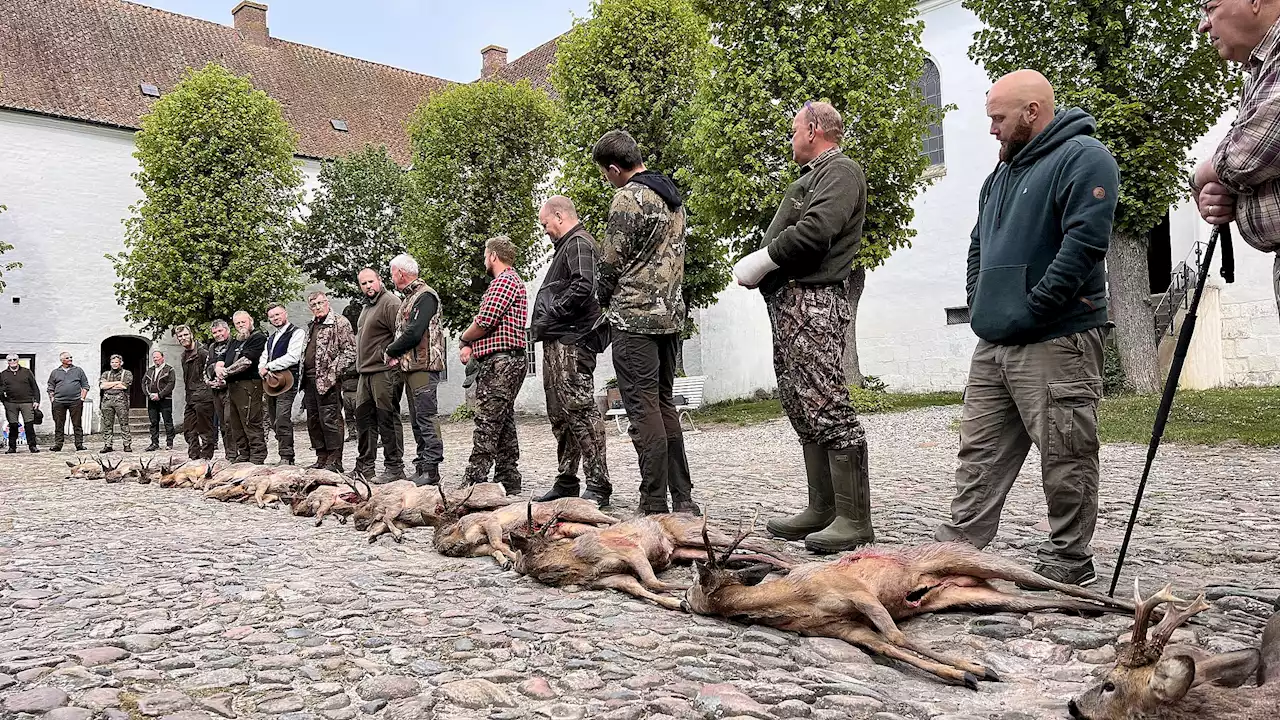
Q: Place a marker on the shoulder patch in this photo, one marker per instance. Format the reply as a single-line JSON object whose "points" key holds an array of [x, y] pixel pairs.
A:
{"points": [[1100, 192]]}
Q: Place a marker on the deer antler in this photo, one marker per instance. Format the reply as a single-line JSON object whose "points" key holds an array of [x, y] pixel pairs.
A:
{"points": [[1172, 620], [546, 529], [742, 535], [529, 515], [462, 505], [706, 541], [1142, 616], [368, 490], [444, 501]]}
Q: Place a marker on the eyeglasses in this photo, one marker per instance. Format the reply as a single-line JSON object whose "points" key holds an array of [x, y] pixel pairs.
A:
{"points": [[807, 107]]}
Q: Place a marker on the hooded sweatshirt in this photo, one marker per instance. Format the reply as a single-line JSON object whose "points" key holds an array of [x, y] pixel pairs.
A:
{"points": [[1035, 267]]}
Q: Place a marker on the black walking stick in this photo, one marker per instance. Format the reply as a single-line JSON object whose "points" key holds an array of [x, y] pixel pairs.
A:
{"points": [[1175, 372]]}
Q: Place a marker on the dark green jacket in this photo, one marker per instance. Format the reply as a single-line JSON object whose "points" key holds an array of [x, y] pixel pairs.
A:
{"points": [[1035, 269], [818, 226]]}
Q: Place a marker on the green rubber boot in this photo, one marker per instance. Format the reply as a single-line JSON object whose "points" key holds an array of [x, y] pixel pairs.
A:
{"points": [[851, 527], [821, 510]]}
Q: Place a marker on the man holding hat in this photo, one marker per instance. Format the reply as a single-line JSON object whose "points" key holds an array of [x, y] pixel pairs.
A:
{"points": [[279, 368], [21, 398], [114, 386]]}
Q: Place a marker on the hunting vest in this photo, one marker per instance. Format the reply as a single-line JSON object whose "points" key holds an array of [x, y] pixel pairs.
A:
{"points": [[429, 354]]}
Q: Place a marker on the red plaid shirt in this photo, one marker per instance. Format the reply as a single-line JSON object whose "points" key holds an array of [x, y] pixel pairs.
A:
{"points": [[503, 311]]}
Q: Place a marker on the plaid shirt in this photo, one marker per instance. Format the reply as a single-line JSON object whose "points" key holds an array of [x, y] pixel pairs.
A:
{"points": [[503, 311], [1248, 158]]}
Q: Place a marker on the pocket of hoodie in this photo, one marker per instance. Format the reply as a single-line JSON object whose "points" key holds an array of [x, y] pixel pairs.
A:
{"points": [[1000, 308]]}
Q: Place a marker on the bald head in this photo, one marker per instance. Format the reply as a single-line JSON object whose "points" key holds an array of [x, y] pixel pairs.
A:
{"points": [[557, 216], [1020, 106]]}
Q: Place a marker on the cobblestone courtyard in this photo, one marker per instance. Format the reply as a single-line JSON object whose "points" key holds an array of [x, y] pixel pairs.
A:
{"points": [[132, 600]]}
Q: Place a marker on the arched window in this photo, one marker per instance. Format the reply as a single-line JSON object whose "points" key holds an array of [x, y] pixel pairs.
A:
{"points": [[931, 86]]}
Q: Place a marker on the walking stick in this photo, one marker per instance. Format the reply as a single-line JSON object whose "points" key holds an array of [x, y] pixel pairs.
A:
{"points": [[1175, 372]]}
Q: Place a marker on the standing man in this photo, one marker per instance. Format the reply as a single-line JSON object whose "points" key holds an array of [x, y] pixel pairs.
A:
{"points": [[221, 333], [496, 339], [378, 391], [238, 368], [1241, 181], [1036, 286], [157, 385], [418, 351], [113, 387], [331, 349], [350, 376], [639, 285], [802, 269], [564, 318], [283, 355], [21, 398], [68, 387], [197, 417]]}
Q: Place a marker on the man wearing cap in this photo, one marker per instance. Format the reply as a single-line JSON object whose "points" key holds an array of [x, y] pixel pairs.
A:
{"points": [[68, 387], [114, 387], [21, 398], [283, 360], [158, 384]]}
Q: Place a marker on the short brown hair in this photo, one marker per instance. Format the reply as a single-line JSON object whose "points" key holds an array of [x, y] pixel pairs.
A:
{"points": [[617, 148], [503, 248]]}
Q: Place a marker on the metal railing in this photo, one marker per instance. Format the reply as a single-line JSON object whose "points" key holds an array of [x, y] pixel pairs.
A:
{"points": [[1181, 282]]}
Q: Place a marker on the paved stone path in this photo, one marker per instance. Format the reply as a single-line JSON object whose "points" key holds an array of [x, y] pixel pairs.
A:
{"points": [[133, 601]]}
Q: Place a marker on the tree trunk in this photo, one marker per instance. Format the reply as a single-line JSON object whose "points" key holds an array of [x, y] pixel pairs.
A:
{"points": [[1131, 310], [680, 357], [852, 367]]}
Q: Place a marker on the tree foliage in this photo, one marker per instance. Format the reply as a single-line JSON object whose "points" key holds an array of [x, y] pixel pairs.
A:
{"points": [[767, 59], [481, 154], [353, 220], [220, 187], [635, 65], [6, 267]]}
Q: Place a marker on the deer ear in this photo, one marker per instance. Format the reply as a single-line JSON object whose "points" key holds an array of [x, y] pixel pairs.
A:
{"points": [[1172, 678], [70, 464], [754, 574]]}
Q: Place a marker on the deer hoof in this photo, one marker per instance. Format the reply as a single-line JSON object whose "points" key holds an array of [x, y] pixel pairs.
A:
{"points": [[398, 538], [970, 681], [342, 519], [319, 522], [990, 675]]}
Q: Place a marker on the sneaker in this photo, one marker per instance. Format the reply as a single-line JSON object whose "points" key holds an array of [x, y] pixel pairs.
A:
{"points": [[1083, 575]]}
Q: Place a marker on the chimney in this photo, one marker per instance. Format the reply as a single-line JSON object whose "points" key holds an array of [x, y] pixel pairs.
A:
{"points": [[495, 58], [251, 22]]}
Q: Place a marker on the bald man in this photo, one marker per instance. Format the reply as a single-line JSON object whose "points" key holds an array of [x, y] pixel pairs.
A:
{"points": [[1037, 299], [564, 319], [1241, 181], [802, 268]]}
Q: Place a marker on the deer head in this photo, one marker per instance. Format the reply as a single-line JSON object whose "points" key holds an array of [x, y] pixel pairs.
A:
{"points": [[111, 472], [1144, 680], [713, 576], [363, 515], [144, 472], [550, 560]]}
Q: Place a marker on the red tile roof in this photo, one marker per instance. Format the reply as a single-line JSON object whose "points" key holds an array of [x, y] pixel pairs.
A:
{"points": [[84, 59], [534, 66]]}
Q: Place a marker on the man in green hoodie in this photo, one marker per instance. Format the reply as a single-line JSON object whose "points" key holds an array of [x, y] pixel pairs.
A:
{"points": [[1036, 287]]}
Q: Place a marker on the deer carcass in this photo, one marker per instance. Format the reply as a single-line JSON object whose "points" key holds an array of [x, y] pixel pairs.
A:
{"points": [[221, 477], [324, 500], [1183, 682], [485, 533], [628, 555], [81, 469], [401, 503], [452, 504], [187, 474], [236, 484], [859, 597]]}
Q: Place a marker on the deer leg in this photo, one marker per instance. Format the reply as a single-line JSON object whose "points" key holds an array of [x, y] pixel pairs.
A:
{"points": [[499, 549], [389, 519], [982, 597], [325, 506], [573, 530], [639, 564], [868, 639], [631, 586], [964, 560], [376, 529]]}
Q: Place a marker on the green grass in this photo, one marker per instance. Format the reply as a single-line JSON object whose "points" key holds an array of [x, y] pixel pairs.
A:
{"points": [[753, 412], [1248, 416]]}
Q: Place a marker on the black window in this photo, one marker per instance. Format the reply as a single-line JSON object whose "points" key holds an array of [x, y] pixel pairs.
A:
{"points": [[931, 86]]}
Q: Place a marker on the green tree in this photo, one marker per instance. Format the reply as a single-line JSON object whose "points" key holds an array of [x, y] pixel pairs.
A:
{"points": [[1155, 88], [353, 220], [220, 187], [4, 248], [481, 154], [635, 65], [766, 60]]}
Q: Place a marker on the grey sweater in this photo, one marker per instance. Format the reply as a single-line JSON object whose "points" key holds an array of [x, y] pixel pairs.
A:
{"points": [[65, 384]]}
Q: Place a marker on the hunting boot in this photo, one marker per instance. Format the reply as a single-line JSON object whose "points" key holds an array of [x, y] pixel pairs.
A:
{"points": [[13, 439], [155, 440], [427, 475], [852, 525], [322, 460], [333, 461], [566, 485], [679, 481], [31, 441], [821, 510]]}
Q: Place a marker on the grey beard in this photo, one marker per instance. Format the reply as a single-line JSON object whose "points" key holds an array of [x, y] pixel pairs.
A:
{"points": [[242, 335]]}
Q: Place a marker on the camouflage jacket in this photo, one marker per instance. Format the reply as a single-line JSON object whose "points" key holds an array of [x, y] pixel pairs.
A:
{"points": [[335, 349], [428, 353], [120, 375], [640, 273]]}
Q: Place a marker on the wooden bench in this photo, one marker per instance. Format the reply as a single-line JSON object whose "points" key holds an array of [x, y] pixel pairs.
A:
{"points": [[687, 392]]}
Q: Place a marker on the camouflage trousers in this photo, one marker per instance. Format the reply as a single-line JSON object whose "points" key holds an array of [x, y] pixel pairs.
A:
{"points": [[115, 408], [809, 323], [568, 373], [494, 443]]}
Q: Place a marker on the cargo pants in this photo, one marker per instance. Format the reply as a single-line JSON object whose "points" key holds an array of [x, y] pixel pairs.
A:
{"points": [[494, 444], [568, 379], [115, 409]]}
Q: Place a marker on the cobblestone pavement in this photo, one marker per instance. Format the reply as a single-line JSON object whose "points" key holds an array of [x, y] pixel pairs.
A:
{"points": [[131, 600]]}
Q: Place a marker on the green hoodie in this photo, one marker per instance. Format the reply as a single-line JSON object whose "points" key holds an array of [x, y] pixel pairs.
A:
{"points": [[1035, 269]]}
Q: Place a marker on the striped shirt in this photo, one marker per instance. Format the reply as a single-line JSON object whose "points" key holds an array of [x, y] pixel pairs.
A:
{"points": [[503, 312], [1248, 158]]}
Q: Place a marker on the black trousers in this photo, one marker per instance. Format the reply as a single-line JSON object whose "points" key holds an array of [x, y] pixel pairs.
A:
{"points": [[197, 426], [279, 411], [156, 410], [324, 416], [646, 370], [420, 391], [60, 413], [378, 418]]}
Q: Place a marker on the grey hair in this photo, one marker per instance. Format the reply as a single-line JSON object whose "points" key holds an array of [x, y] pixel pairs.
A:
{"points": [[219, 324], [317, 294], [827, 119], [561, 204], [405, 263], [238, 313], [160, 352]]}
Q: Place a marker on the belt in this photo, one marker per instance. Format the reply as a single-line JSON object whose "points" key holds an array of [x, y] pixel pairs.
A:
{"points": [[515, 352]]}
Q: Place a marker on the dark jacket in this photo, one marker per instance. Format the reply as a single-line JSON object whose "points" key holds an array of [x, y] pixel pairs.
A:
{"points": [[193, 377], [1035, 269], [250, 348], [818, 227], [566, 307], [19, 386], [161, 383], [216, 351], [377, 331]]}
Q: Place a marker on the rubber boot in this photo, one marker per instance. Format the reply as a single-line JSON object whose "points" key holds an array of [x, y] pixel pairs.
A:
{"points": [[679, 480], [13, 439], [822, 508], [566, 486], [852, 525]]}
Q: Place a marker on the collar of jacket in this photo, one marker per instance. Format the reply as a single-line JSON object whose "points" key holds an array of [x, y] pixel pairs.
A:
{"points": [[326, 320], [575, 230], [821, 160]]}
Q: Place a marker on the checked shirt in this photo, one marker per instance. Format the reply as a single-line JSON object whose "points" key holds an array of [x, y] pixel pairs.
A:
{"points": [[503, 312]]}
